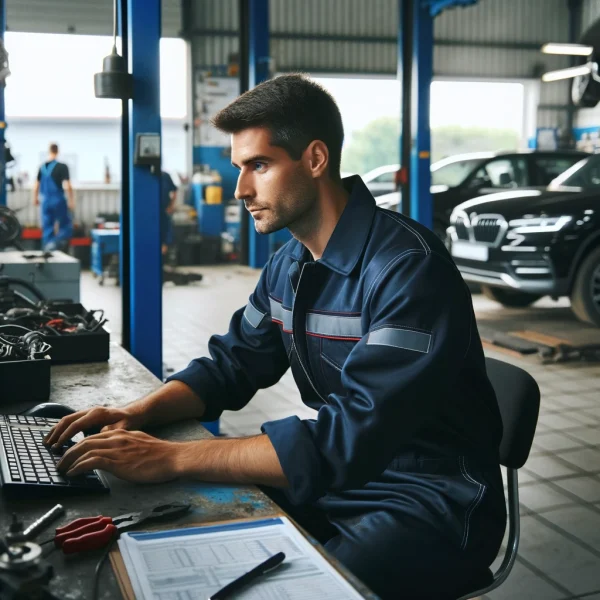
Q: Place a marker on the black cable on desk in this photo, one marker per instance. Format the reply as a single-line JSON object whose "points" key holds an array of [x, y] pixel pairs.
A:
{"points": [[99, 566]]}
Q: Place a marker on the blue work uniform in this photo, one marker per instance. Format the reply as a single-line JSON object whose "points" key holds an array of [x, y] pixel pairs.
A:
{"points": [[166, 222], [54, 207], [398, 474]]}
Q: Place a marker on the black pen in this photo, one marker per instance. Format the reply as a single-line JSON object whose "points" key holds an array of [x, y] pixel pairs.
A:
{"points": [[269, 564]]}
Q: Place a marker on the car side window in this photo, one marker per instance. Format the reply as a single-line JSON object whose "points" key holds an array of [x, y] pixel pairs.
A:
{"points": [[502, 173], [385, 177], [549, 167]]}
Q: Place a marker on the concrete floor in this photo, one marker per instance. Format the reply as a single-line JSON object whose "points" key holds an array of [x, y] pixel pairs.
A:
{"points": [[559, 555]]}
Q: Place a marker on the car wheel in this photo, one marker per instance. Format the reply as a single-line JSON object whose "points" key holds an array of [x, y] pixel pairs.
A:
{"points": [[585, 296], [510, 298]]}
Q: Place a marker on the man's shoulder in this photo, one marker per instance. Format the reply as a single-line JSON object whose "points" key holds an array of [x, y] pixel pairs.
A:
{"points": [[390, 227], [397, 239], [62, 168]]}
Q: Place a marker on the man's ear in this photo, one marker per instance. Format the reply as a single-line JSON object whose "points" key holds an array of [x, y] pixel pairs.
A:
{"points": [[317, 158]]}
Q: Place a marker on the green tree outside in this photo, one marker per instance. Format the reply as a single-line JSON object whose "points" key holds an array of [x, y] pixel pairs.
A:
{"points": [[377, 144]]}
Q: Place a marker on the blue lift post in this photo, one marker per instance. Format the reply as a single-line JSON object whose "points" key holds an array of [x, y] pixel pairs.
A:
{"points": [[258, 71], [421, 204], [145, 281], [125, 229], [415, 71], [2, 113]]}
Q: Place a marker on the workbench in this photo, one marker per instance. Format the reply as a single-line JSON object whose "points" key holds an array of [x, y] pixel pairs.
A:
{"points": [[117, 383]]}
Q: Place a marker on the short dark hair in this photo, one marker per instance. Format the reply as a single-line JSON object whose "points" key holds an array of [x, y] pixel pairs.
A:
{"points": [[53, 148], [295, 110]]}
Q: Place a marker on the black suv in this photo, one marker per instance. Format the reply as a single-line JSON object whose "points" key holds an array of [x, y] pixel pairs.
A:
{"points": [[462, 177], [525, 244]]}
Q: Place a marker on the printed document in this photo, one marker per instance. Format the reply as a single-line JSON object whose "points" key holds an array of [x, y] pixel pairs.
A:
{"points": [[194, 563]]}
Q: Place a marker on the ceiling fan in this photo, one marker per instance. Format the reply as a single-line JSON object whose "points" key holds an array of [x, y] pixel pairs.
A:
{"points": [[585, 90]]}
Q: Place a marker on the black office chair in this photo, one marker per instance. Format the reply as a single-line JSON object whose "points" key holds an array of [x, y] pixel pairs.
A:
{"points": [[518, 397]]}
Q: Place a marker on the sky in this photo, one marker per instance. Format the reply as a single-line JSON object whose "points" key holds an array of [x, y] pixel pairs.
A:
{"points": [[52, 75]]}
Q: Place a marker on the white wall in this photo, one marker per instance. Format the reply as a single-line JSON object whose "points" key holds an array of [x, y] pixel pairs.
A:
{"points": [[84, 145]]}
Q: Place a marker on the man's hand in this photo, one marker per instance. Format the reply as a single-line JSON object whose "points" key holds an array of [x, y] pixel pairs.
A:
{"points": [[130, 455], [36, 201], [72, 206], [108, 418]]}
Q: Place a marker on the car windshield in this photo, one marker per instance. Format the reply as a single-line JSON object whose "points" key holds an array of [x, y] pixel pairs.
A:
{"points": [[584, 174], [454, 173]]}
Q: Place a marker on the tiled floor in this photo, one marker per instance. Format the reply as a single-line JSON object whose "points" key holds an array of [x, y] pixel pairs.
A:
{"points": [[559, 556]]}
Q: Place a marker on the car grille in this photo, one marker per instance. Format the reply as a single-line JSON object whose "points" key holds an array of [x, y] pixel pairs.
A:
{"points": [[462, 231], [487, 229]]}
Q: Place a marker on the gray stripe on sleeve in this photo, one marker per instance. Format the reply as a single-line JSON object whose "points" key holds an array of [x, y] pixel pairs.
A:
{"points": [[333, 325], [281, 314], [253, 315], [405, 339]]}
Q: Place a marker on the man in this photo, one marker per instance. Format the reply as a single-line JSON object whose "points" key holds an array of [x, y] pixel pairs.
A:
{"points": [[168, 197], [398, 473], [52, 179]]}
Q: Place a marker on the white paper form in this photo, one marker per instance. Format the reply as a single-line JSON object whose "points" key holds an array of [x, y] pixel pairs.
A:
{"points": [[192, 564]]}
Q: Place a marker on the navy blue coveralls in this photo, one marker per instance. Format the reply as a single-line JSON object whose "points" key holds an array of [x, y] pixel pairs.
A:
{"points": [[398, 474], [54, 209]]}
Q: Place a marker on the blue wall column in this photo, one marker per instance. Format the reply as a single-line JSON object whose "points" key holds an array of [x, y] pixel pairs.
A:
{"points": [[2, 113], [145, 281], [421, 208], [258, 71]]}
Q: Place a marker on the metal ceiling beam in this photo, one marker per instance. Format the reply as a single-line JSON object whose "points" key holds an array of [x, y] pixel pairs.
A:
{"points": [[369, 39]]}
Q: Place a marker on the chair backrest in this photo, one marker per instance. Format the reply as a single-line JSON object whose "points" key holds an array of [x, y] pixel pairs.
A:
{"points": [[518, 398]]}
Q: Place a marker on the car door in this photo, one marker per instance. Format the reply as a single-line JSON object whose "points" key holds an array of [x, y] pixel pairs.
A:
{"points": [[501, 173], [383, 184]]}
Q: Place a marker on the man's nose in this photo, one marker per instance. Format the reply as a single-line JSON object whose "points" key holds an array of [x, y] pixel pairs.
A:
{"points": [[243, 188]]}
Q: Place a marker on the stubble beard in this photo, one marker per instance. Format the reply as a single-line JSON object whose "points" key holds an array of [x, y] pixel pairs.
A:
{"points": [[297, 209]]}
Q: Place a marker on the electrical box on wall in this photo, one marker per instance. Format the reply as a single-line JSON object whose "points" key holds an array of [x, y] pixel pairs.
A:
{"points": [[147, 151]]}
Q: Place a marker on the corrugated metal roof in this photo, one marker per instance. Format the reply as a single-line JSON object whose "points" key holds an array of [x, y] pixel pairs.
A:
{"points": [[506, 21], [355, 36], [551, 118], [86, 17], [352, 36], [490, 62]]}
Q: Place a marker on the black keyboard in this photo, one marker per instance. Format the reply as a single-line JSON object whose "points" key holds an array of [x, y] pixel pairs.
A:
{"points": [[28, 467]]}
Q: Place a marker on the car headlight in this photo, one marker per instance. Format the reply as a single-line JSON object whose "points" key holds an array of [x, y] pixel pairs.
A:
{"points": [[539, 224]]}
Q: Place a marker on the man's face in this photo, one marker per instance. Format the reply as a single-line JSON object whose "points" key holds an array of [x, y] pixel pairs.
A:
{"points": [[277, 190]]}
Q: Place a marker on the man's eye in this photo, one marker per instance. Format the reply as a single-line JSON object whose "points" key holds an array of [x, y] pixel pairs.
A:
{"points": [[258, 166]]}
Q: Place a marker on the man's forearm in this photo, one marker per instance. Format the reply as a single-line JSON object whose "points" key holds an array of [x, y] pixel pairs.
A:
{"points": [[241, 460], [173, 401]]}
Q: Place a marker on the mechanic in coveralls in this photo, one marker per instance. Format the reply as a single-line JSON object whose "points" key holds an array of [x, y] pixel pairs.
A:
{"points": [[52, 180], [397, 473]]}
